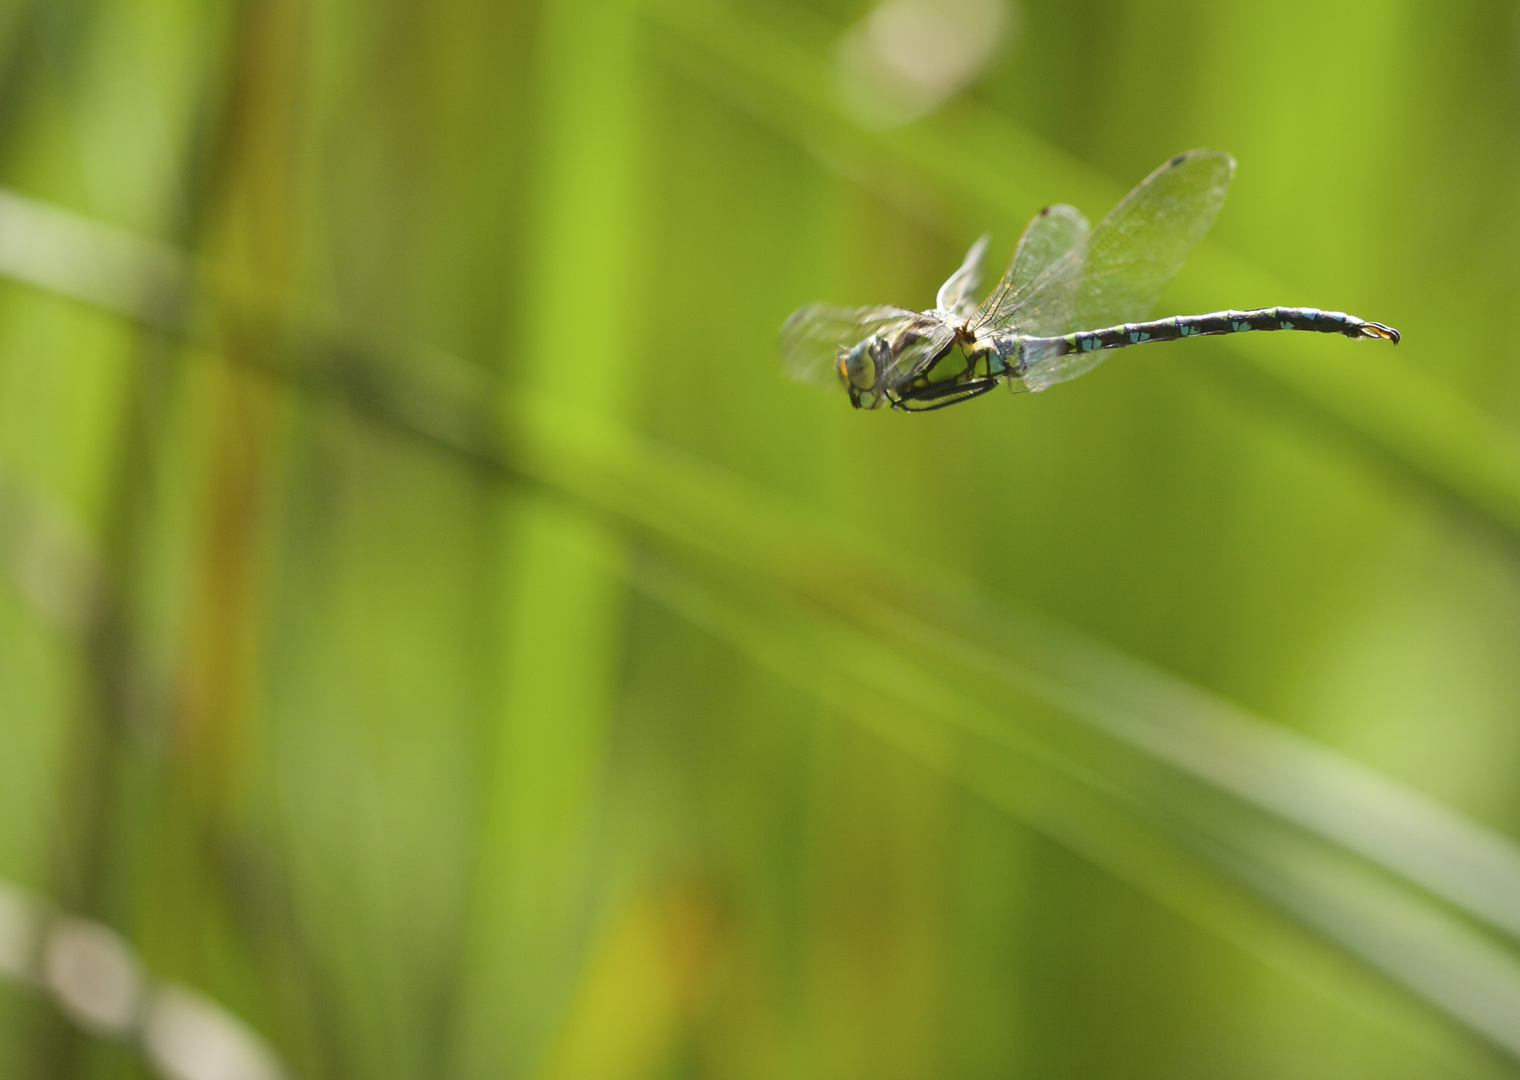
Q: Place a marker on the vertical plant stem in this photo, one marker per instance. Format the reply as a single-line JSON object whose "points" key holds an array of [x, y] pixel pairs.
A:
{"points": [[561, 600]]}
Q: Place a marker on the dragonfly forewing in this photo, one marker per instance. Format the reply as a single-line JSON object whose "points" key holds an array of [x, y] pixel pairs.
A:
{"points": [[1050, 234], [912, 348], [811, 340], [955, 295]]}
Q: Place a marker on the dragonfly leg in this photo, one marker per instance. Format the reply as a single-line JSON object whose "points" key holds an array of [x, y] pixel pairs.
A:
{"points": [[938, 395]]}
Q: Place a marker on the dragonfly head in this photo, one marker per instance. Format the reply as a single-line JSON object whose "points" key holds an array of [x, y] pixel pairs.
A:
{"points": [[860, 369]]}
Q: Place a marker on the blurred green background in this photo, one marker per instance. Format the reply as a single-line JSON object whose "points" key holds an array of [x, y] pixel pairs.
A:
{"points": [[434, 630]]}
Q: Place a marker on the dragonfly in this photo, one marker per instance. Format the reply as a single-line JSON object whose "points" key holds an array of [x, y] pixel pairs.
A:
{"points": [[1071, 295]]}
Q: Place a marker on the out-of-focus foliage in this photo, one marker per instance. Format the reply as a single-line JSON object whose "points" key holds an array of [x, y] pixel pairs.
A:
{"points": [[434, 631]]}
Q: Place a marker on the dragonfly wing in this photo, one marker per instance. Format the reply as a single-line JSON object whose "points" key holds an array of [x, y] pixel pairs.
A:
{"points": [[1050, 234], [912, 346], [1047, 370], [1132, 255], [1118, 272], [812, 337], [1031, 291], [955, 294], [1142, 243]]}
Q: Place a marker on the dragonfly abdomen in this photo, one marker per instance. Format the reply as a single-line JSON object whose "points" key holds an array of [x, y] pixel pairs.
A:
{"points": [[1217, 322]]}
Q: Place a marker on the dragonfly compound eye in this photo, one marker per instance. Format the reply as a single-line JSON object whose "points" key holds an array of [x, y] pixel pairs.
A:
{"points": [[860, 365]]}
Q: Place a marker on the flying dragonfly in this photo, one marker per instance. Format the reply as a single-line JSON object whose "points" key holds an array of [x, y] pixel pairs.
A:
{"points": [[1069, 296]]}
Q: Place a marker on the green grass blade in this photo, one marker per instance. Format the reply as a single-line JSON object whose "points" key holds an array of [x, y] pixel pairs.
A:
{"points": [[562, 593]]}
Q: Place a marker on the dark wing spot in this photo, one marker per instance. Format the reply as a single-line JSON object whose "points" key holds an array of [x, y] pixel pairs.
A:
{"points": [[1178, 160], [1043, 211]]}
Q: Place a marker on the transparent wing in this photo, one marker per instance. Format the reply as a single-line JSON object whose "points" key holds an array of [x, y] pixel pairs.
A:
{"points": [[1042, 371], [1142, 243], [912, 345], [1050, 234], [1118, 274], [955, 295], [811, 338]]}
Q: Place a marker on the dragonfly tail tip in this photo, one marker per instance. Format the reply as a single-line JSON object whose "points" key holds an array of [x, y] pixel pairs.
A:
{"points": [[1378, 330]]}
